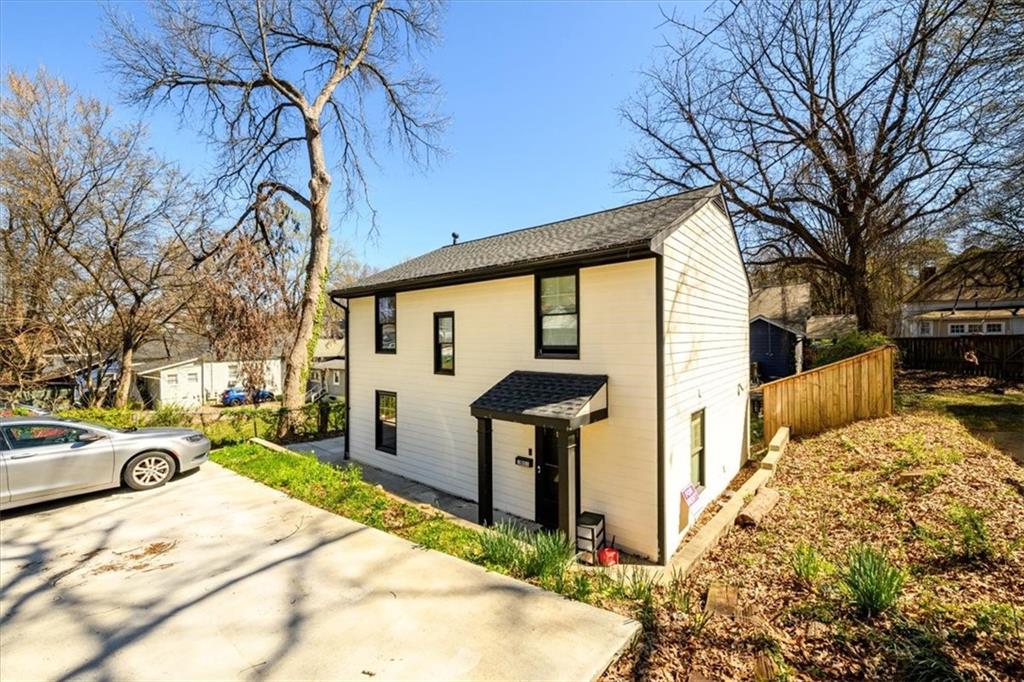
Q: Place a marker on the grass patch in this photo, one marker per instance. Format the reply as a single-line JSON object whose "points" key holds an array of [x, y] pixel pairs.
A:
{"points": [[976, 411], [344, 492], [874, 584], [808, 565]]}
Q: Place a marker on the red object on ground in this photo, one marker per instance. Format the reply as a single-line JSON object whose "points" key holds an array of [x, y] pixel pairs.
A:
{"points": [[608, 556]]}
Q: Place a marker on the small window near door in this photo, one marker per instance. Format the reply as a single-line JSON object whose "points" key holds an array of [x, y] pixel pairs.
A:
{"points": [[557, 315], [387, 323], [697, 468], [444, 343], [993, 327], [924, 328], [172, 379], [387, 422]]}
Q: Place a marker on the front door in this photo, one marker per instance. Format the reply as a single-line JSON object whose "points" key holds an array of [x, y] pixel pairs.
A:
{"points": [[547, 478]]}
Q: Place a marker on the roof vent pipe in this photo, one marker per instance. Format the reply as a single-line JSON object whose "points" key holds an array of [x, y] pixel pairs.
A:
{"points": [[455, 238]]}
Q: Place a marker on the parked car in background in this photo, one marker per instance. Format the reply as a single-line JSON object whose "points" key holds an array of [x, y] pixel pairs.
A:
{"points": [[238, 396], [43, 458]]}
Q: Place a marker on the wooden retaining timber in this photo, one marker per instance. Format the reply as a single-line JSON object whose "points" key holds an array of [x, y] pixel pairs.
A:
{"points": [[859, 387]]}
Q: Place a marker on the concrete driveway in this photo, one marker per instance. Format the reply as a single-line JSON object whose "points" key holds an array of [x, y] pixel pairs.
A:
{"points": [[215, 576]]}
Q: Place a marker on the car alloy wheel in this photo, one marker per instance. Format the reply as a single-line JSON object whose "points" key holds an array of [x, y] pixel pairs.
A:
{"points": [[151, 471]]}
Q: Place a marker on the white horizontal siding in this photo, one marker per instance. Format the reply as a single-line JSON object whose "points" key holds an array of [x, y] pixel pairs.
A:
{"points": [[706, 356], [437, 441]]}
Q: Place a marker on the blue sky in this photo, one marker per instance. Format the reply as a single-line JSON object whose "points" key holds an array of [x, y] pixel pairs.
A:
{"points": [[531, 90]]}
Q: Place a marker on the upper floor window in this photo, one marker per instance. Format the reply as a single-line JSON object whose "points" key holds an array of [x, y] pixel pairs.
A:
{"points": [[557, 315], [387, 323], [444, 343]]}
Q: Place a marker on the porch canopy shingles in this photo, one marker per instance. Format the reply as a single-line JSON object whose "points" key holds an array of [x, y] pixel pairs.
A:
{"points": [[560, 401]]}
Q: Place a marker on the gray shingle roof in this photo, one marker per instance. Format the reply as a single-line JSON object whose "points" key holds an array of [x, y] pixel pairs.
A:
{"points": [[549, 396], [633, 225]]}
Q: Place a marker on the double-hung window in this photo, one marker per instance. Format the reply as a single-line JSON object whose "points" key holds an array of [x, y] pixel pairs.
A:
{"points": [[386, 323], [387, 422], [697, 462], [557, 324], [924, 328], [444, 343]]}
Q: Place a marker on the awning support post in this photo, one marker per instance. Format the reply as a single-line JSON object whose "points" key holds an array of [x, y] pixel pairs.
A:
{"points": [[484, 458], [567, 483]]}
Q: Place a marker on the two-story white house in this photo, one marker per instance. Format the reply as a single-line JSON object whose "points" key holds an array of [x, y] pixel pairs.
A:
{"points": [[595, 364]]}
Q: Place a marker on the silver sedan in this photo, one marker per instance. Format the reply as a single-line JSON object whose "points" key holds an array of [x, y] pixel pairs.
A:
{"points": [[44, 458]]}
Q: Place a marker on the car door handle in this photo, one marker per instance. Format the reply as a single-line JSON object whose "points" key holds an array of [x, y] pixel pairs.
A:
{"points": [[24, 456]]}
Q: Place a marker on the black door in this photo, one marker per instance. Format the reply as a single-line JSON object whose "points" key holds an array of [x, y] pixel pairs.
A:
{"points": [[547, 478]]}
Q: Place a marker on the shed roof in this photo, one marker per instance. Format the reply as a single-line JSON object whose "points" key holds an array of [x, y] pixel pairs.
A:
{"points": [[545, 398], [789, 304], [632, 226]]}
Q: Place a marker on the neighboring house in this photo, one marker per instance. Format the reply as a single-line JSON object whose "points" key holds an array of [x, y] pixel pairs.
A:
{"points": [[778, 316], [979, 292], [596, 364], [782, 329], [329, 367], [194, 381]]}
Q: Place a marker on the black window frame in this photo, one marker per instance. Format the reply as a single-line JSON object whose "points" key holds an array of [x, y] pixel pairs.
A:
{"points": [[438, 369], [555, 352], [702, 463], [379, 425], [378, 326]]}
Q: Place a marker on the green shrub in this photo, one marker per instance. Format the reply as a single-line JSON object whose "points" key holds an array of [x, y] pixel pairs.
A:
{"points": [[170, 415], [873, 583], [847, 346], [550, 554], [111, 417], [971, 537], [808, 565], [504, 546]]}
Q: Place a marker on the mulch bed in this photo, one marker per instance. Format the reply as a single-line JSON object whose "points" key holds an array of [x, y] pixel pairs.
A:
{"points": [[840, 489], [927, 381]]}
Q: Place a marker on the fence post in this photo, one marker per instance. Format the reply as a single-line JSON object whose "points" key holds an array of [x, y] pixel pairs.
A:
{"points": [[325, 412]]}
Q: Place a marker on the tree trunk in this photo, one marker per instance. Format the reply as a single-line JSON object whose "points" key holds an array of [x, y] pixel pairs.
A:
{"points": [[124, 377], [316, 266], [861, 295]]}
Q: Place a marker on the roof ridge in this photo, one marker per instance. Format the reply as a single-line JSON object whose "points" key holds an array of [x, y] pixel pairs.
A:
{"points": [[577, 217]]}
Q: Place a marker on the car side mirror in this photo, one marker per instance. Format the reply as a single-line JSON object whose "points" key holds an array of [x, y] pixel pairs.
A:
{"points": [[90, 437]]}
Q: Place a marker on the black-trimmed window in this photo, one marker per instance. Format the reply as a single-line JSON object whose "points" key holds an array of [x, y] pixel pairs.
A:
{"points": [[386, 323], [697, 462], [557, 323], [387, 422], [444, 343]]}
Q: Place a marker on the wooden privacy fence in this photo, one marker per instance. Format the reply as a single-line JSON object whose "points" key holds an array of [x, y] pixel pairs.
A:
{"points": [[859, 387], [1000, 356]]}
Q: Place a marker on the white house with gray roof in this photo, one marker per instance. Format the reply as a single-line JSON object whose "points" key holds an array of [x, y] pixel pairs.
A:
{"points": [[597, 364]]}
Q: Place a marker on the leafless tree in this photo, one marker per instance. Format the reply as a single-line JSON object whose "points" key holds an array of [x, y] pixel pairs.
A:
{"points": [[272, 79], [835, 126], [118, 215]]}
